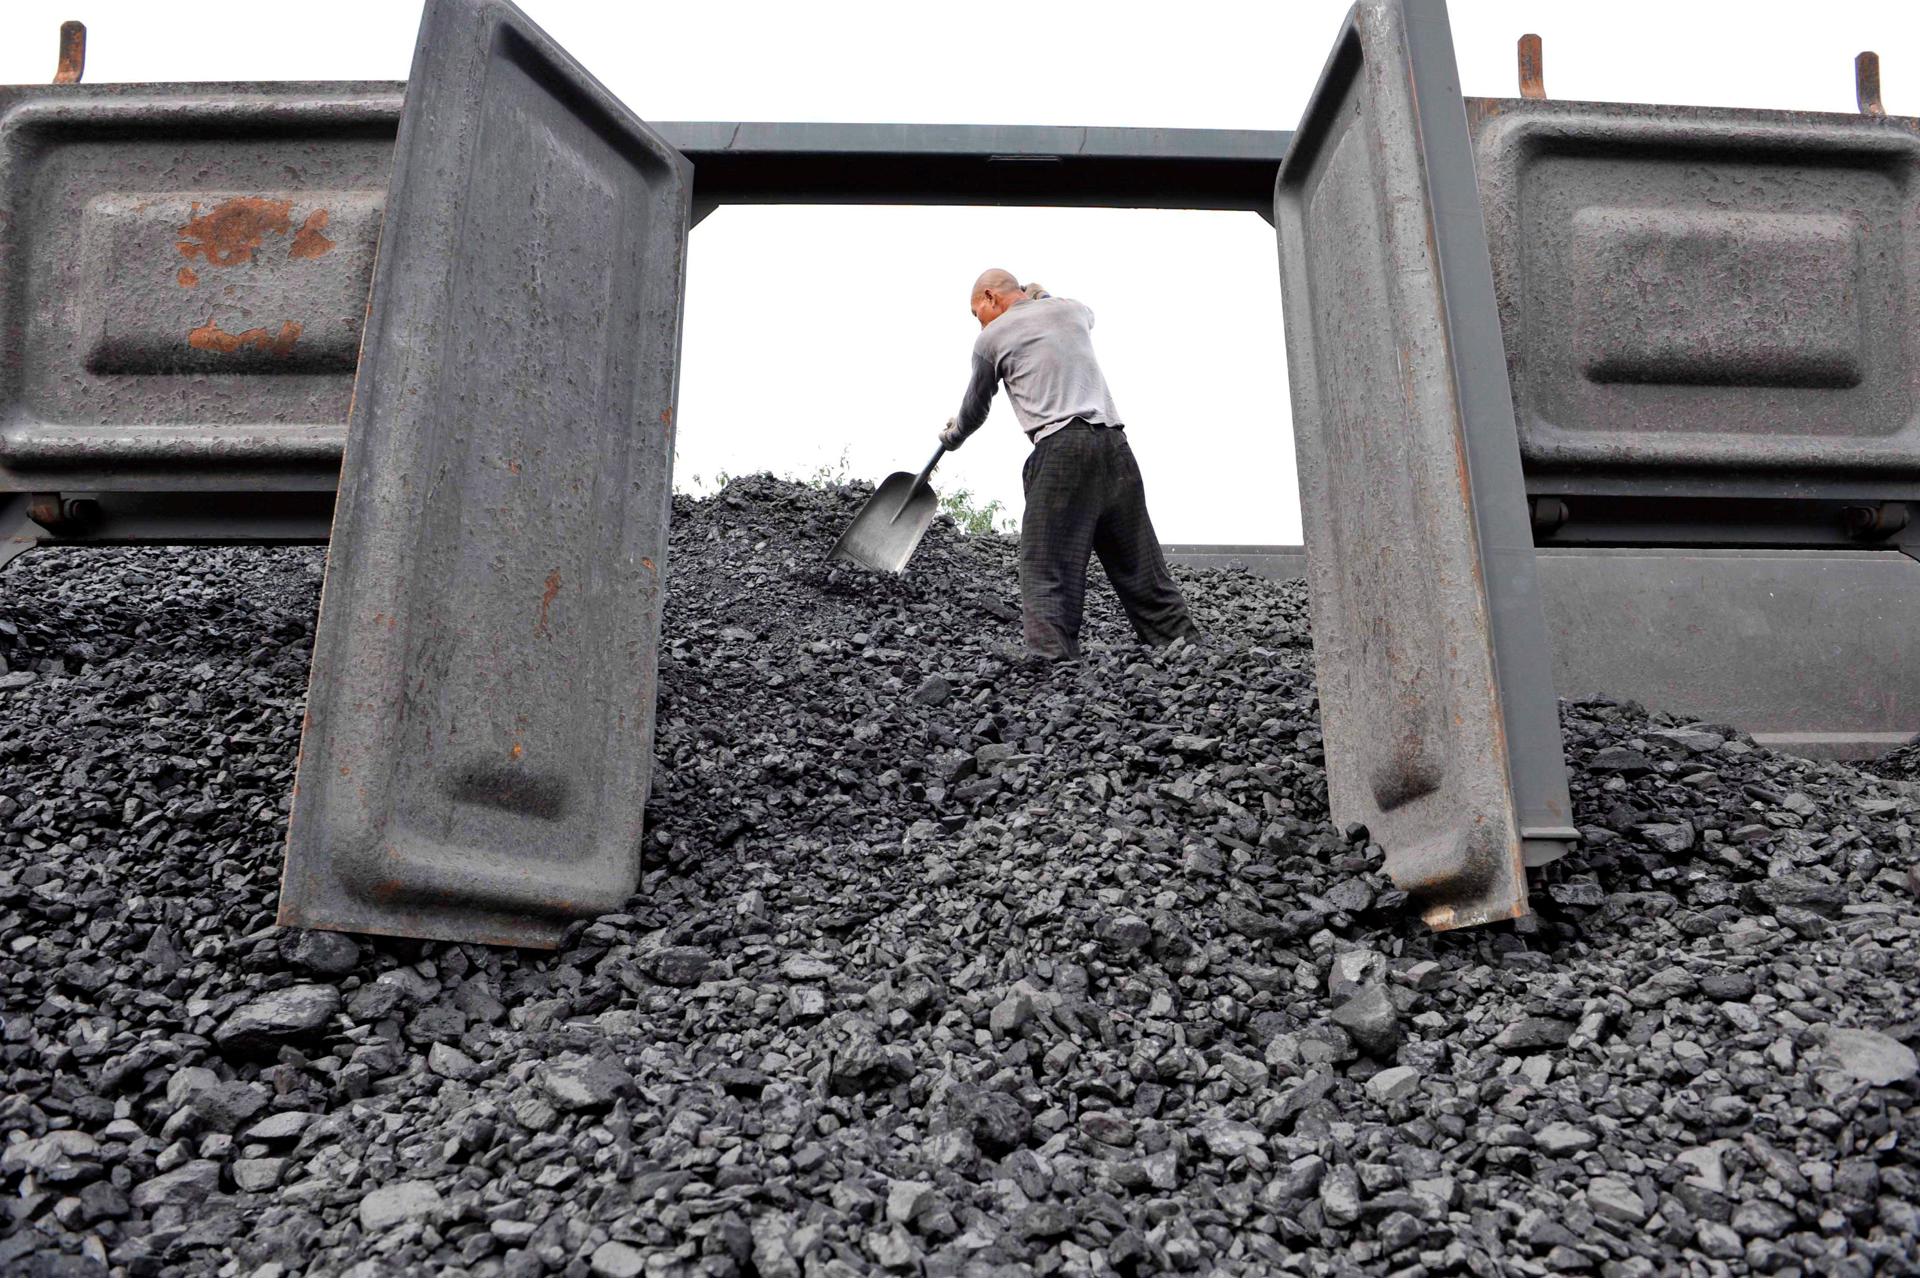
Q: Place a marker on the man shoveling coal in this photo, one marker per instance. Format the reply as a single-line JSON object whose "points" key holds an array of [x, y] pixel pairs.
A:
{"points": [[1083, 490]]}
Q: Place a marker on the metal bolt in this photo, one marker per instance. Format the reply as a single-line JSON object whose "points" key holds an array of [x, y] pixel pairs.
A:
{"points": [[1866, 83], [73, 53], [1533, 82]]}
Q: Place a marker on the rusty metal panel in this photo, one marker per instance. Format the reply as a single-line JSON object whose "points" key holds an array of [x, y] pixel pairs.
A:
{"points": [[184, 267], [479, 726], [1722, 296], [1441, 728], [183, 276]]}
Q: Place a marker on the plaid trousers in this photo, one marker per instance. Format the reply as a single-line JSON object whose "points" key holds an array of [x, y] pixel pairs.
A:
{"points": [[1085, 496]]}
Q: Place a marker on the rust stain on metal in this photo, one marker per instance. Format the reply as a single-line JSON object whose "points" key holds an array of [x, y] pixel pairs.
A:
{"points": [[648, 565], [308, 242], [73, 53], [228, 233], [517, 751], [211, 337], [666, 416], [188, 277], [1866, 83], [1533, 82], [546, 602], [46, 510]]}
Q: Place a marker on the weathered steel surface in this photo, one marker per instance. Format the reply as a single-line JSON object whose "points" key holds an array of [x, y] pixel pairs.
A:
{"points": [[1441, 733], [183, 274], [1277, 562], [753, 163], [162, 518], [1653, 517], [1719, 297], [480, 720], [1812, 651], [184, 268], [18, 532]]}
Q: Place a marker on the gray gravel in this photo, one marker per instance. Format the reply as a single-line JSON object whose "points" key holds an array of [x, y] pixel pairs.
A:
{"points": [[941, 965]]}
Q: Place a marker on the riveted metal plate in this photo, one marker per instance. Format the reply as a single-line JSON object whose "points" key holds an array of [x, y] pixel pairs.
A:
{"points": [[183, 276], [1722, 296], [479, 727], [1432, 661]]}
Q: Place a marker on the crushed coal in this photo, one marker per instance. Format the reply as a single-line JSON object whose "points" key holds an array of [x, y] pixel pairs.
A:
{"points": [[1902, 762], [941, 965]]}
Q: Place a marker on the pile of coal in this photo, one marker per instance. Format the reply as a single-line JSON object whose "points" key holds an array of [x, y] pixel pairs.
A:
{"points": [[1902, 763], [941, 965]]}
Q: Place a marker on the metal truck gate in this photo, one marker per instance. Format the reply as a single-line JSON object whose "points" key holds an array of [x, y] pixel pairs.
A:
{"points": [[1432, 659], [185, 272], [480, 722]]}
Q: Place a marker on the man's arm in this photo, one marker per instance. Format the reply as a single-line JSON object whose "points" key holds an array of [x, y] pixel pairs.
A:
{"points": [[974, 404]]}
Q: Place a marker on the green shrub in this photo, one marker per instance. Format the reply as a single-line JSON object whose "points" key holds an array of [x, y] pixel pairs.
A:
{"points": [[974, 516], [829, 475]]}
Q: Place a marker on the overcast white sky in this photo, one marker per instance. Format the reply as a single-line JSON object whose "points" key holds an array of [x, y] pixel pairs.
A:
{"points": [[1189, 321]]}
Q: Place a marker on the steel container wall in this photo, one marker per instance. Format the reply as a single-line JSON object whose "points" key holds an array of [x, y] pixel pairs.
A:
{"points": [[1741, 637], [184, 267], [1721, 302], [479, 731], [183, 277], [1441, 731]]}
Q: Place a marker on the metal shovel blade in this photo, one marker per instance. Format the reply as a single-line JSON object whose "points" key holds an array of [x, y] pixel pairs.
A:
{"points": [[884, 534]]}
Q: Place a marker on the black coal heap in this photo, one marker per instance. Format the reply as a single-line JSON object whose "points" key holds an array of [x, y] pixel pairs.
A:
{"points": [[941, 965]]}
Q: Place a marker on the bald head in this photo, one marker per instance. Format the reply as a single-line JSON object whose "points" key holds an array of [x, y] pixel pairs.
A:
{"points": [[994, 293], [996, 279]]}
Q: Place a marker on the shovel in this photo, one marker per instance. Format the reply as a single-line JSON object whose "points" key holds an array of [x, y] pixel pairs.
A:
{"points": [[888, 528]]}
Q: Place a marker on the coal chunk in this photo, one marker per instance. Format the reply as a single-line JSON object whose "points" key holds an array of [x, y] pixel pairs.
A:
{"points": [[998, 1122], [291, 1015]]}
